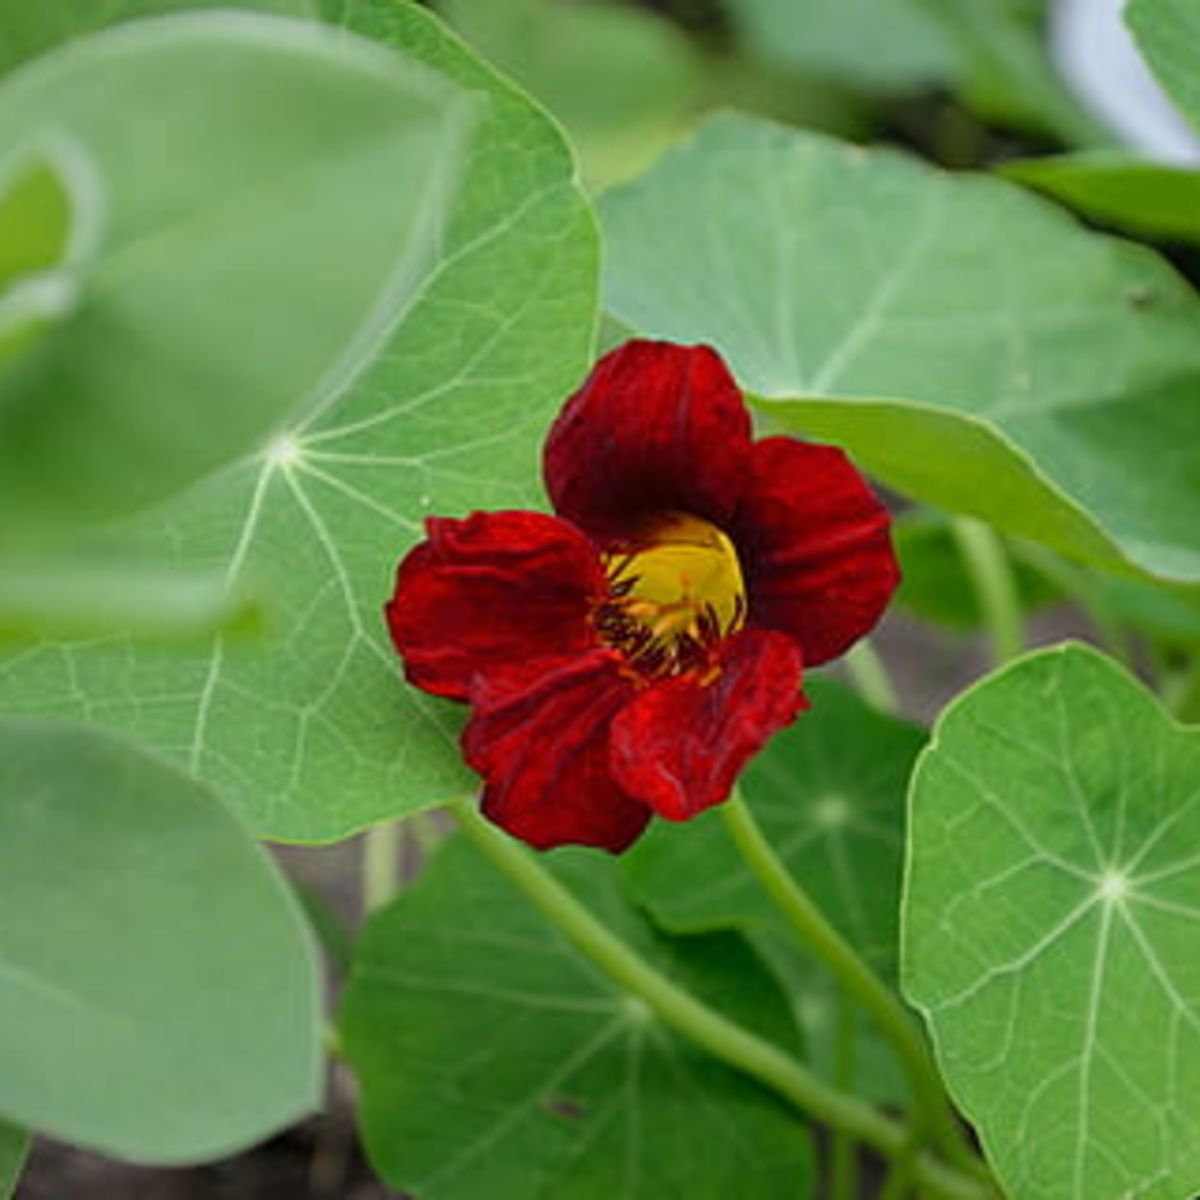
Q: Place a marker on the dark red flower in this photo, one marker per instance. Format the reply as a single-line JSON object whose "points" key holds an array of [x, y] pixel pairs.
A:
{"points": [[627, 656]]}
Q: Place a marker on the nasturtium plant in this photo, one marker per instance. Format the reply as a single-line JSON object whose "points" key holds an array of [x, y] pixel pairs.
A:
{"points": [[308, 733], [340, 494], [1051, 926]]}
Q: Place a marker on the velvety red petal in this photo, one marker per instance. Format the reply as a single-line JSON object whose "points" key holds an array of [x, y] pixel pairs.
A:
{"points": [[655, 427], [815, 546], [492, 589], [539, 736], [679, 745]]}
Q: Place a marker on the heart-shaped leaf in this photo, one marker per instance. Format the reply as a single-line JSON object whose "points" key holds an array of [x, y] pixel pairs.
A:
{"points": [[158, 987], [1029, 366], [495, 1061], [312, 733], [1052, 927]]}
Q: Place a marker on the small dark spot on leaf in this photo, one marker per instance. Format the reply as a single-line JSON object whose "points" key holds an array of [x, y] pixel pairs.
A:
{"points": [[1141, 295], [567, 1107]]}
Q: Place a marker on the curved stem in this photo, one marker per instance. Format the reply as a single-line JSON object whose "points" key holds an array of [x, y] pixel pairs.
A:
{"points": [[871, 678], [843, 1153], [381, 864], [716, 1033], [995, 585], [855, 976]]}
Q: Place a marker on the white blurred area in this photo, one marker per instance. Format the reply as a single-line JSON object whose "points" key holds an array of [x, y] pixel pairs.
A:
{"points": [[1100, 62]]}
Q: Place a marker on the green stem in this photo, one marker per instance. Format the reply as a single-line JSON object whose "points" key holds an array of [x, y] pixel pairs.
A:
{"points": [[991, 574], [871, 677], [721, 1037], [843, 1165], [381, 864], [898, 1183], [854, 975], [1184, 697]]}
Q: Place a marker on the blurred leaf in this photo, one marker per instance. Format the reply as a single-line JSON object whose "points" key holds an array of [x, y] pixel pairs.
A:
{"points": [[1050, 927], [14, 1146], [158, 993], [495, 1061], [876, 45], [621, 80], [1006, 71], [828, 793], [200, 321], [1168, 34], [1032, 367], [313, 735], [934, 584], [1149, 199], [331, 932], [28, 29], [85, 598]]}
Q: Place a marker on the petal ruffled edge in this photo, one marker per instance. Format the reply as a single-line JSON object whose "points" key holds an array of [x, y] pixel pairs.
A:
{"points": [[679, 745], [656, 427], [815, 546], [539, 736], [489, 590]]}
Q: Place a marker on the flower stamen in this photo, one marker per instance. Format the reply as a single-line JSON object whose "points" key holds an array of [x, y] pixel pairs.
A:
{"points": [[675, 591]]}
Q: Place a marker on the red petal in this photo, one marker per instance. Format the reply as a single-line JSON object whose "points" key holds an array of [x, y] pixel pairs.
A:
{"points": [[656, 427], [539, 736], [680, 745], [492, 589], [815, 547]]}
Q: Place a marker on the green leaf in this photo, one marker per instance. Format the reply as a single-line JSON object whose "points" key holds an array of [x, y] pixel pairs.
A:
{"points": [[311, 734], [827, 793], [495, 1061], [14, 1146], [1149, 199], [84, 598], [30, 29], [1168, 34], [1051, 927], [199, 320], [909, 47], [569, 55], [158, 993], [1024, 366]]}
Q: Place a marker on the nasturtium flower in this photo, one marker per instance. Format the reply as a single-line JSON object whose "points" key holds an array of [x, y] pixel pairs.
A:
{"points": [[625, 657]]}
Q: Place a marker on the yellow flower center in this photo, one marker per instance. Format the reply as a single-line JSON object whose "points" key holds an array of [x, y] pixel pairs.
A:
{"points": [[675, 590]]}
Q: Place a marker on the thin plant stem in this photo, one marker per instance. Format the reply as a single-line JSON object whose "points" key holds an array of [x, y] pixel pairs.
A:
{"points": [[988, 566], [843, 1155], [381, 864], [654, 994], [899, 1181], [871, 677], [815, 931]]}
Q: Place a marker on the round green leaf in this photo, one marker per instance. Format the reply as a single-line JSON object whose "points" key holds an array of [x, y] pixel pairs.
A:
{"points": [[1168, 33], [1027, 368], [158, 991], [1052, 927], [495, 1061], [311, 733], [263, 217]]}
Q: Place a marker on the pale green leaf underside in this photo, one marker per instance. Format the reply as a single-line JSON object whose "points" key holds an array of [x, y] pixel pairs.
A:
{"points": [[828, 793], [14, 1146], [253, 244], [1052, 927], [1024, 367], [1168, 32], [312, 734], [495, 1061], [158, 989]]}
